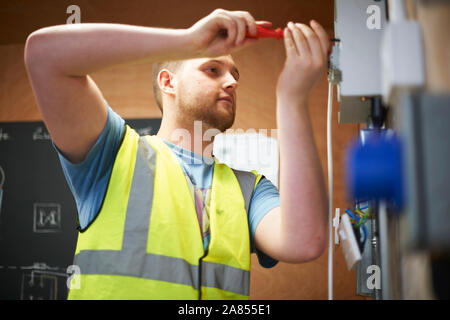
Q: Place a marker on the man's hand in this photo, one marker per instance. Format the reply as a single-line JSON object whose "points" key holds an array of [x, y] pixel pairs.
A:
{"points": [[306, 59], [222, 32]]}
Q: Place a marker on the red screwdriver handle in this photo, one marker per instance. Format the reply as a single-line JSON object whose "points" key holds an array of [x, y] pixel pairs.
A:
{"points": [[267, 33]]}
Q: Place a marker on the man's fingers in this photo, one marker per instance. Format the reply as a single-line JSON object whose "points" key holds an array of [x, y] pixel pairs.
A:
{"points": [[289, 44], [323, 37], [243, 22], [230, 25], [240, 30], [265, 24], [312, 39], [299, 40], [250, 23]]}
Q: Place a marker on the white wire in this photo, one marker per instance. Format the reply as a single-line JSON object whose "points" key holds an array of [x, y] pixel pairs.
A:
{"points": [[330, 190]]}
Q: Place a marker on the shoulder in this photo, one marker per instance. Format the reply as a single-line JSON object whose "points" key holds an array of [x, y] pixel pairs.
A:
{"points": [[88, 180]]}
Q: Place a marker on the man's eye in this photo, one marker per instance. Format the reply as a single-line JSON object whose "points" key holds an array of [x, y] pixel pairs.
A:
{"points": [[214, 70]]}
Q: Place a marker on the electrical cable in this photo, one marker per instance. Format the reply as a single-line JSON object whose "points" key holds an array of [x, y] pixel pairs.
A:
{"points": [[365, 234], [330, 190], [334, 77], [350, 214]]}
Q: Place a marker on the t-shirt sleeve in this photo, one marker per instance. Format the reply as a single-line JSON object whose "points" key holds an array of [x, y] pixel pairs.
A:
{"points": [[89, 179], [265, 197]]}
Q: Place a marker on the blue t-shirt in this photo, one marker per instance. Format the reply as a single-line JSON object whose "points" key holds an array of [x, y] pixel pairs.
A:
{"points": [[88, 180]]}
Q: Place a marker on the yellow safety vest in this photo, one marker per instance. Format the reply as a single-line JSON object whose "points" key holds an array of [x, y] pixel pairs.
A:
{"points": [[145, 242]]}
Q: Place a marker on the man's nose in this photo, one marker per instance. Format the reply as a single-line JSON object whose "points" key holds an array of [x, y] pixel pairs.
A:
{"points": [[230, 84]]}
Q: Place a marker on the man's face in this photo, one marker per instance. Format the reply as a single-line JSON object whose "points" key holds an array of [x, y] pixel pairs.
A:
{"points": [[203, 87]]}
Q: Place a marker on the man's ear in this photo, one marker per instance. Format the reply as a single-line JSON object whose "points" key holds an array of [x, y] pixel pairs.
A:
{"points": [[166, 82]]}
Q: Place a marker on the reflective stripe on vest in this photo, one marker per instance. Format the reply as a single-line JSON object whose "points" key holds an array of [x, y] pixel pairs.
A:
{"points": [[247, 183], [133, 260]]}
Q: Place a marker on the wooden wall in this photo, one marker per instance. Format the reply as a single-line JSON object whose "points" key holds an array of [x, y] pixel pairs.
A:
{"points": [[128, 90]]}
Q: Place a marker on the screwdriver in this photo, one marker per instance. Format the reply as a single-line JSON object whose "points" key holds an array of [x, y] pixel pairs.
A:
{"points": [[267, 33]]}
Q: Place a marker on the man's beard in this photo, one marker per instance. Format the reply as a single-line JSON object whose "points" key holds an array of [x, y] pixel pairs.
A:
{"points": [[211, 116]]}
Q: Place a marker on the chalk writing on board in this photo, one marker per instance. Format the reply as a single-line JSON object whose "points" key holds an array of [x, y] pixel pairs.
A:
{"points": [[41, 134], [40, 281], [4, 135], [47, 217]]}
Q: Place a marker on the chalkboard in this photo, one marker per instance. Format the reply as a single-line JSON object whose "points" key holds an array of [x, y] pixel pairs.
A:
{"points": [[38, 212]]}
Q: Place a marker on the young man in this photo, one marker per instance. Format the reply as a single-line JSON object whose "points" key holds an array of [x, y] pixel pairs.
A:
{"points": [[158, 218]]}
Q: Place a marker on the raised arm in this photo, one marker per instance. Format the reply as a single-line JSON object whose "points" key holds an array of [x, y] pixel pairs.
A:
{"points": [[60, 58], [296, 231]]}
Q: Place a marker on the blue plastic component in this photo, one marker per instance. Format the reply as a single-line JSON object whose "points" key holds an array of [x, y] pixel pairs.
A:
{"points": [[374, 167]]}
